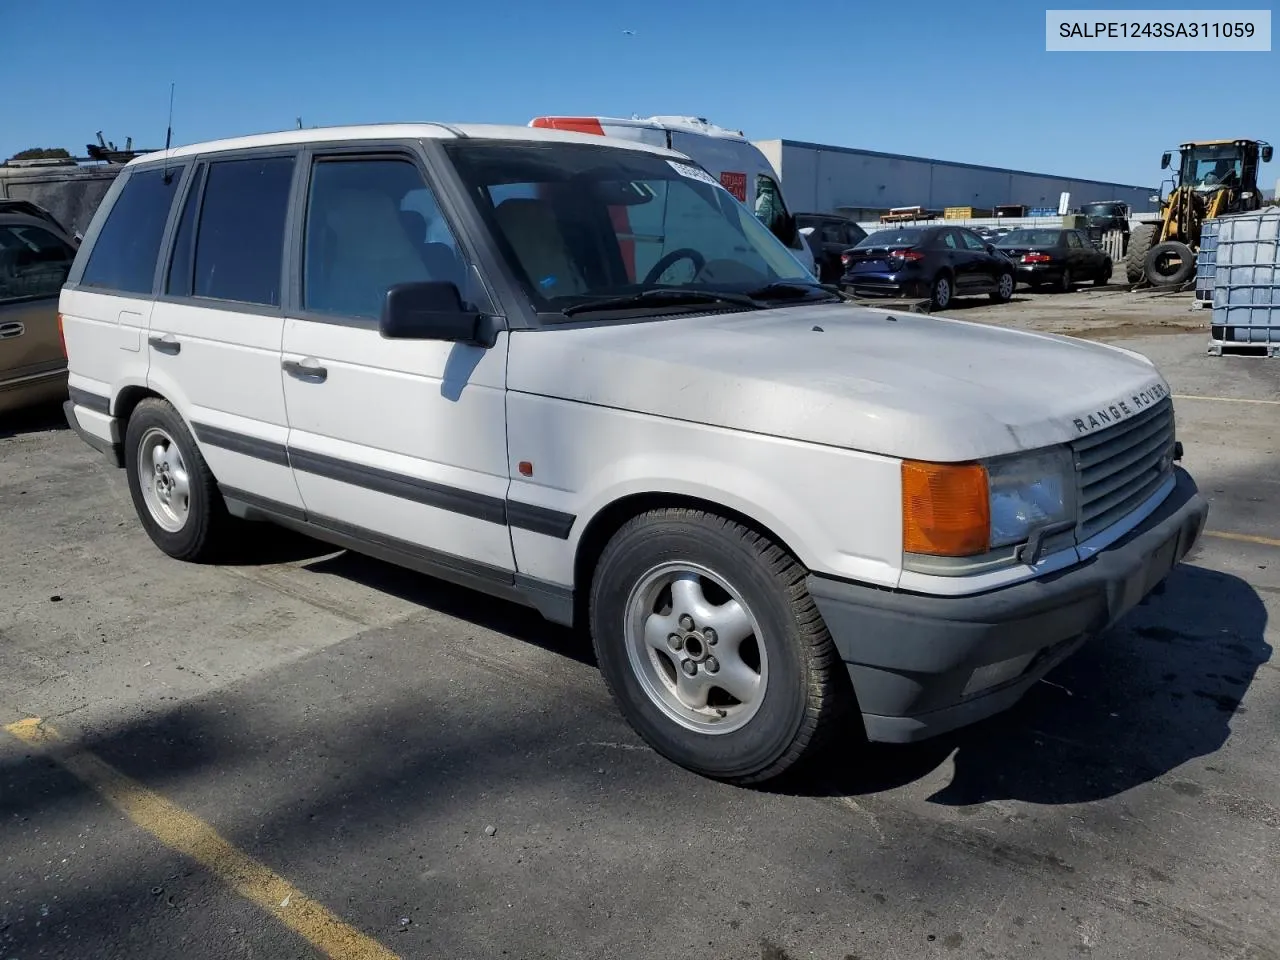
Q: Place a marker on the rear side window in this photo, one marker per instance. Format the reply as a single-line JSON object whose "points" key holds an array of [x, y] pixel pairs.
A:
{"points": [[33, 263], [184, 242], [123, 258], [239, 245]]}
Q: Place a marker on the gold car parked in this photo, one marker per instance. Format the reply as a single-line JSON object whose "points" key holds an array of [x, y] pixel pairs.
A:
{"points": [[35, 256]]}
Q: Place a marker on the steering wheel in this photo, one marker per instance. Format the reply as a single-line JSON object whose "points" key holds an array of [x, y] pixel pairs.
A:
{"points": [[675, 256], [1211, 179]]}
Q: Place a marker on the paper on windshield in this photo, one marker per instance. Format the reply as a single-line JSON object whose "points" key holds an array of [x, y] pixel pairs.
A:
{"points": [[694, 173]]}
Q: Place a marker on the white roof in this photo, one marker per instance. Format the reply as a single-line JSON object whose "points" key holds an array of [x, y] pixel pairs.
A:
{"points": [[397, 131], [689, 124]]}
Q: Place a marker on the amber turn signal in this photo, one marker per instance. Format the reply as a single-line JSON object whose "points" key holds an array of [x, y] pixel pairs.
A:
{"points": [[946, 509]]}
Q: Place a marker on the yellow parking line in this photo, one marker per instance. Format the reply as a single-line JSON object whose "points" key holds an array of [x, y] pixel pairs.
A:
{"points": [[1189, 396], [188, 834], [1243, 538]]}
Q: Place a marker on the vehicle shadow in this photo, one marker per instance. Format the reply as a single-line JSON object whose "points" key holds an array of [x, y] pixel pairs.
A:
{"points": [[38, 419], [1156, 691], [257, 544], [512, 619], [969, 303]]}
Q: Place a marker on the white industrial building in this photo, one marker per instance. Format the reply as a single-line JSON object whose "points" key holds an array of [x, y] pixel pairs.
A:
{"points": [[862, 184]]}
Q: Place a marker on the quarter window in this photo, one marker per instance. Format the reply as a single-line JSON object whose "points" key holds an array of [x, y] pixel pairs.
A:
{"points": [[33, 263], [123, 258], [240, 240], [372, 224], [1073, 240]]}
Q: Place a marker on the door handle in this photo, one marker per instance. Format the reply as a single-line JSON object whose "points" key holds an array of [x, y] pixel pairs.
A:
{"points": [[308, 370], [165, 344], [10, 330]]}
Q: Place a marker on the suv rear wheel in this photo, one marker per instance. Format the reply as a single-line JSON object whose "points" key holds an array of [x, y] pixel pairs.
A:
{"points": [[712, 647], [173, 490]]}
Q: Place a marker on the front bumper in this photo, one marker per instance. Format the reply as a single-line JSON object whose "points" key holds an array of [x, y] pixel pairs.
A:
{"points": [[912, 658]]}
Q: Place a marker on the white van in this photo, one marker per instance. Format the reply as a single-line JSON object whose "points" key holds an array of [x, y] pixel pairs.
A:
{"points": [[726, 154], [770, 508]]}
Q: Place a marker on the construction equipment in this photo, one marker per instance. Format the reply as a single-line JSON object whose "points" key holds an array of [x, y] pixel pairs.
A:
{"points": [[1213, 177]]}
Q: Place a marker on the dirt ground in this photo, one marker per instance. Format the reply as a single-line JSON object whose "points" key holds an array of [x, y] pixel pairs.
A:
{"points": [[1112, 312]]}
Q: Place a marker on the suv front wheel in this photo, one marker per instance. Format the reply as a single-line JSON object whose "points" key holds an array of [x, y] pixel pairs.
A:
{"points": [[712, 647]]}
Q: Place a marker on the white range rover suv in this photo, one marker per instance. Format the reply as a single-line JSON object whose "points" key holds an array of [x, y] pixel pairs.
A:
{"points": [[578, 374]]}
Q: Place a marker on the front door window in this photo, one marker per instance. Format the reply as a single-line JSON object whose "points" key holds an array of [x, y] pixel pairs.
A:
{"points": [[769, 208]]}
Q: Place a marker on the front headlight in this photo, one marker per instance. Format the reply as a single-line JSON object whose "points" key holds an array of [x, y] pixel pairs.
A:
{"points": [[967, 510], [1028, 492]]}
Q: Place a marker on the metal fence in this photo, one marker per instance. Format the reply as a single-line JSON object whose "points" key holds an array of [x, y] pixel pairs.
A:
{"points": [[1112, 244]]}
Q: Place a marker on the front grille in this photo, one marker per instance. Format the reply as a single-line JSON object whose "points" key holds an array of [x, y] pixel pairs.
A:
{"points": [[1120, 467]]}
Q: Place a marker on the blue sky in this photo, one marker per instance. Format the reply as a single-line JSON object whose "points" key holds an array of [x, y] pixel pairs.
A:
{"points": [[983, 89]]}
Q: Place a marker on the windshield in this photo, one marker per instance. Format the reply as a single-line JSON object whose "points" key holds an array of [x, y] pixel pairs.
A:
{"points": [[579, 223], [1029, 238], [1101, 210], [1212, 166], [892, 238]]}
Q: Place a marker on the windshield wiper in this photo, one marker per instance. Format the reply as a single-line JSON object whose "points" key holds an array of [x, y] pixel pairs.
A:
{"points": [[784, 290], [662, 296]]}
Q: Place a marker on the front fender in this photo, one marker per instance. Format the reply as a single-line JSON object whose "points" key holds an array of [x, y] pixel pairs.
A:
{"points": [[837, 510]]}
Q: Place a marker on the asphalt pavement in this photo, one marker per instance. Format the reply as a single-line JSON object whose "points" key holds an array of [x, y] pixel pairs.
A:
{"points": [[443, 775]]}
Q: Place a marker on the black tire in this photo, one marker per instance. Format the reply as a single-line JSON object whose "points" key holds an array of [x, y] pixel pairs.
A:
{"points": [[1160, 273], [1104, 274], [807, 694], [1001, 296], [942, 291], [1135, 254], [207, 521], [1065, 282]]}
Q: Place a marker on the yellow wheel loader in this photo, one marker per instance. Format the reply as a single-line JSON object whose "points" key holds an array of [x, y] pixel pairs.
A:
{"points": [[1213, 177]]}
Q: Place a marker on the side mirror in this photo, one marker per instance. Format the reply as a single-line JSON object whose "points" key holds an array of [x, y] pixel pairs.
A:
{"points": [[1266, 153], [433, 310], [1164, 161], [991, 248]]}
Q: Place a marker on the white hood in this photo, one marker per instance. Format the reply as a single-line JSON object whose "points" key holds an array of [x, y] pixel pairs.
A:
{"points": [[913, 386]]}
